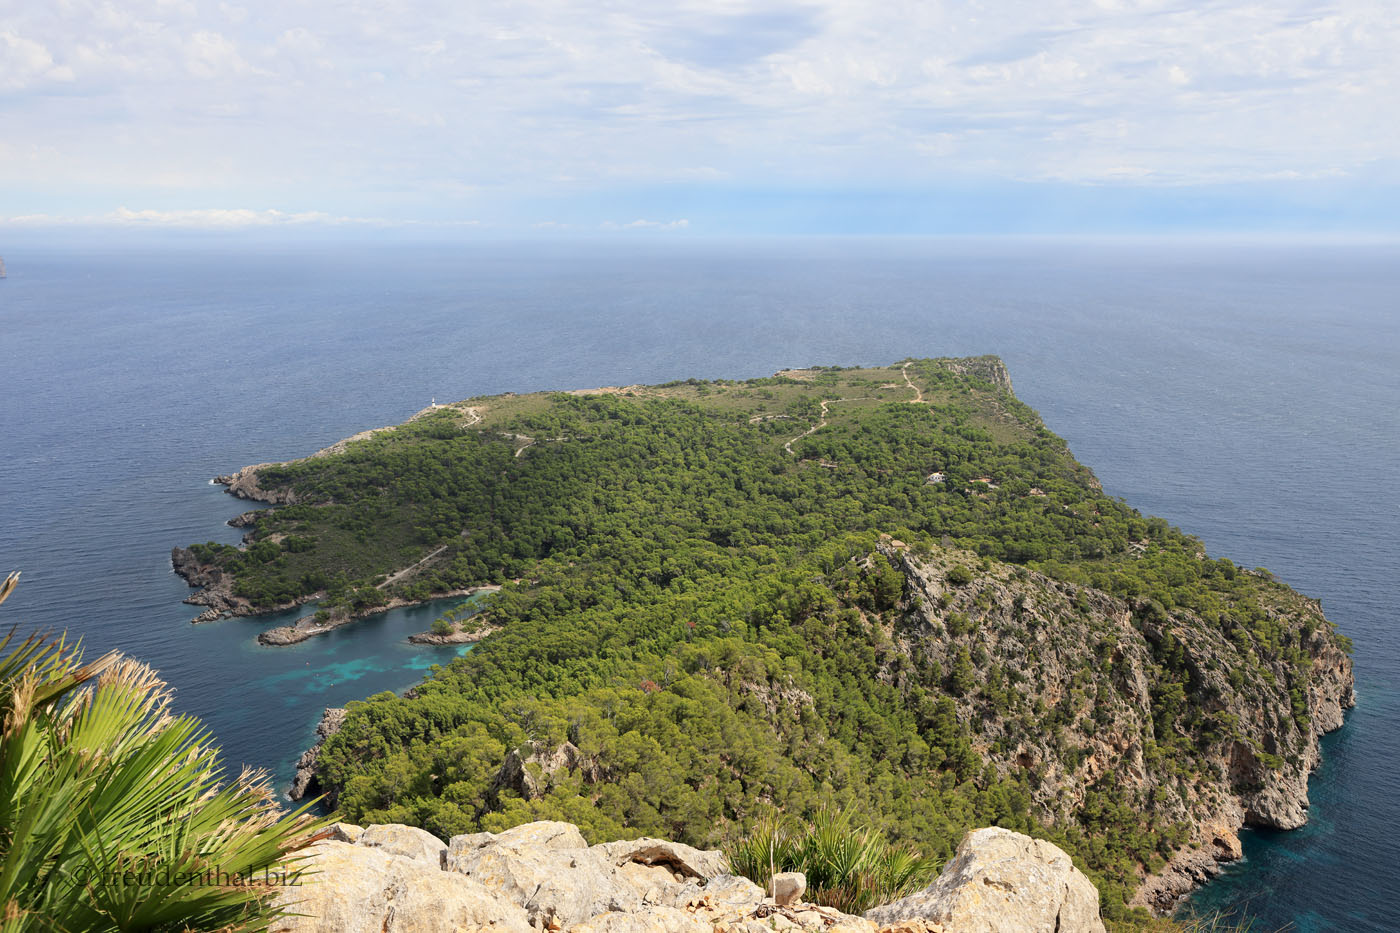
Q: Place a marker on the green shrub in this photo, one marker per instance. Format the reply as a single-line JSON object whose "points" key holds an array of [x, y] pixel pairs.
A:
{"points": [[849, 868], [959, 576]]}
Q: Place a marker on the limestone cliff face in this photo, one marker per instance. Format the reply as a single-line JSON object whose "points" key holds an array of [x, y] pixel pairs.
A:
{"points": [[1065, 678], [545, 876], [987, 368]]}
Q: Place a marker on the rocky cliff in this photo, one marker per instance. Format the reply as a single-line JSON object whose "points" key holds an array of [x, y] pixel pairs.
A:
{"points": [[987, 368], [304, 784], [545, 876], [1104, 701]]}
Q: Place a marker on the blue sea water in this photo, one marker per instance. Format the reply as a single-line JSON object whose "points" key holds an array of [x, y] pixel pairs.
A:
{"points": [[1248, 393]]}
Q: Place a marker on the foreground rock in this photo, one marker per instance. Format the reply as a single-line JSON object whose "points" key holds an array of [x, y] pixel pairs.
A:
{"points": [[361, 889], [1003, 882], [545, 876]]}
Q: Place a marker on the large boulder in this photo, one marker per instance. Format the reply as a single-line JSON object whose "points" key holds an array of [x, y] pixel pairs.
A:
{"points": [[545, 868], [408, 841], [1003, 882], [346, 888], [680, 858]]}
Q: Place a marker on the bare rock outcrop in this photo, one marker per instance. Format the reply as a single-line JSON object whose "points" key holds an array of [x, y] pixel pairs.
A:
{"points": [[1003, 882], [545, 877], [243, 484], [531, 774], [345, 888], [408, 841]]}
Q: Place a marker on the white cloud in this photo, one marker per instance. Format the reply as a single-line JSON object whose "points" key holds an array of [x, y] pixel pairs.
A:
{"points": [[213, 219], [430, 105], [24, 62], [647, 225]]}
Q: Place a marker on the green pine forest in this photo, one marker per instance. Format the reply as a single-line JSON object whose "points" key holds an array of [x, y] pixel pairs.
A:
{"points": [[687, 599]]}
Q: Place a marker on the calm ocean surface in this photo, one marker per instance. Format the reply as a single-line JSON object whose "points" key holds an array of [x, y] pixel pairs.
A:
{"points": [[1250, 395]]}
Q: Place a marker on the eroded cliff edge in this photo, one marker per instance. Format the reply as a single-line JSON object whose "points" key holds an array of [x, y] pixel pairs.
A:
{"points": [[1066, 682]]}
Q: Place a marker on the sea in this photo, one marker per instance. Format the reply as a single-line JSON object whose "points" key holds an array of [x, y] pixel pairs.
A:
{"points": [[1247, 391]]}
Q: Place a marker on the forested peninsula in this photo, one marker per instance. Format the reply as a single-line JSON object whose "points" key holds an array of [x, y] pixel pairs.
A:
{"points": [[891, 590]]}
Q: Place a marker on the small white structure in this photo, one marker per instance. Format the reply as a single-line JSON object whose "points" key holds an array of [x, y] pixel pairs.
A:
{"points": [[934, 478]]}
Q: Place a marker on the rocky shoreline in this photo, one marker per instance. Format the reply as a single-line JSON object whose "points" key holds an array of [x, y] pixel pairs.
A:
{"points": [[215, 588], [458, 635], [309, 627]]}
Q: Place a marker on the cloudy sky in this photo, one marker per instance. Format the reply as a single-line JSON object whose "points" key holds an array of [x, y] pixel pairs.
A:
{"points": [[715, 117]]}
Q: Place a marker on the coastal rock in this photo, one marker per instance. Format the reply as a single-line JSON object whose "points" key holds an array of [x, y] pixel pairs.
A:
{"points": [[1003, 882], [184, 562], [246, 519], [408, 841], [244, 485], [304, 782], [459, 634], [678, 858], [987, 368], [347, 888], [313, 624], [788, 887], [545, 868]]}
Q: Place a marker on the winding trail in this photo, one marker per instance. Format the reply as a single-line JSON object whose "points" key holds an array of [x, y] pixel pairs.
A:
{"points": [[918, 398], [822, 423]]}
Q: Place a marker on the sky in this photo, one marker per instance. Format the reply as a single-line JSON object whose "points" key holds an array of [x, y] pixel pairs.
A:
{"points": [[638, 118]]}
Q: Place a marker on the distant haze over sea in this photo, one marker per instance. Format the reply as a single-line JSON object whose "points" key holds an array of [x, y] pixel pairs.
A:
{"points": [[1248, 393]]}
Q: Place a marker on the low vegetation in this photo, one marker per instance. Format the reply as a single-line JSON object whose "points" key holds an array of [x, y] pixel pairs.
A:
{"points": [[847, 867]]}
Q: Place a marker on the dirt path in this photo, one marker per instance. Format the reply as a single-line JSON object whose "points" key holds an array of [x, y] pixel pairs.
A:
{"points": [[822, 423], [918, 398], [409, 569]]}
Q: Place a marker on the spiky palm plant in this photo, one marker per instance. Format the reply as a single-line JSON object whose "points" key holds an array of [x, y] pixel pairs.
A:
{"points": [[847, 867], [113, 812]]}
